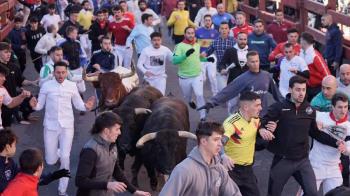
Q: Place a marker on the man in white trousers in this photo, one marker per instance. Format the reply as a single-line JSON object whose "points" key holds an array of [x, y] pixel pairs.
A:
{"points": [[187, 58], [58, 96], [152, 62]]}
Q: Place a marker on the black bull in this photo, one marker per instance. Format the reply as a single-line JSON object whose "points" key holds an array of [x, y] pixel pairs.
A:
{"points": [[163, 141]]}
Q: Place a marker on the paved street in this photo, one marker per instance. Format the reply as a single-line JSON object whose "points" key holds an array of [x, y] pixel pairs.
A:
{"points": [[32, 136]]}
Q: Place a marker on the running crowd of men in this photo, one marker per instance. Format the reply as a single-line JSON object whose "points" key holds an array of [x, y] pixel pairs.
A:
{"points": [[243, 64]]}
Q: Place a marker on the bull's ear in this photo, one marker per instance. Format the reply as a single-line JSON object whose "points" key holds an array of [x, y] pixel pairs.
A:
{"points": [[142, 111]]}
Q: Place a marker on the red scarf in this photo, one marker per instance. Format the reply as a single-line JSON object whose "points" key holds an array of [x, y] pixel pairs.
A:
{"points": [[340, 120], [102, 24], [186, 41]]}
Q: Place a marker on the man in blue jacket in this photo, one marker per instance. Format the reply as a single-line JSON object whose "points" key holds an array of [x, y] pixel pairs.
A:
{"points": [[333, 52], [262, 42]]}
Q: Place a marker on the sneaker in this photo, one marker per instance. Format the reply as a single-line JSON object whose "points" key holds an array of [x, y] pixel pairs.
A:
{"points": [[192, 104]]}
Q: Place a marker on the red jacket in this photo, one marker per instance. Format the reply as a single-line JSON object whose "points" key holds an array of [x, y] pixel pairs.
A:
{"points": [[245, 28], [280, 50], [22, 185], [278, 31], [317, 66]]}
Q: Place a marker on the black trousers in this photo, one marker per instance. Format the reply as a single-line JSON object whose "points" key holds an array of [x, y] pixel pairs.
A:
{"points": [[333, 70], [282, 169], [21, 55], [178, 38], [37, 61], [345, 172], [245, 179]]}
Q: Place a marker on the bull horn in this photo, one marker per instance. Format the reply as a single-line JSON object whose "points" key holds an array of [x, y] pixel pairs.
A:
{"points": [[89, 78], [186, 134], [142, 111], [145, 138], [127, 75]]}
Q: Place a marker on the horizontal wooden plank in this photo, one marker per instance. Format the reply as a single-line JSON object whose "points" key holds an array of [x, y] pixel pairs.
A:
{"points": [[319, 36], [314, 7], [346, 52], [266, 16], [248, 10], [339, 17]]}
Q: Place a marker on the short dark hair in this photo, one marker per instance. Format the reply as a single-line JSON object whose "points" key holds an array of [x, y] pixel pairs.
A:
{"points": [[156, 34], [5, 46], [54, 49], [207, 16], [7, 137], [177, 3], [117, 8], [258, 21], [224, 23], [33, 19], [30, 160], [339, 97], [339, 191], [142, 1], [249, 96], [105, 120], [242, 32], [74, 10], [104, 10], [292, 30], [18, 19], [120, 2], [60, 64], [189, 27], [252, 53], [206, 129], [52, 6], [99, 12], [70, 29], [307, 37], [288, 45], [83, 3], [145, 17], [296, 80], [105, 38]]}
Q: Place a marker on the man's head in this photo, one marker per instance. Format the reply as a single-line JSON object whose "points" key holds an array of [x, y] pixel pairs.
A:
{"points": [[31, 162], [142, 5], [5, 52], [326, 20], [106, 44], [224, 29], [250, 104], [253, 61], [259, 27], [209, 136], [292, 36], [107, 125], [8, 141], [220, 8], [34, 23], [279, 15], [329, 86], [340, 105], [306, 40], [86, 5], [3, 73], [289, 51], [73, 16], [124, 5], [100, 15], [52, 29], [18, 22], [240, 18], [117, 10], [156, 39], [181, 4], [242, 40], [297, 89], [72, 32], [207, 3], [344, 72], [56, 54], [189, 33], [207, 21], [147, 19], [60, 71], [52, 9]]}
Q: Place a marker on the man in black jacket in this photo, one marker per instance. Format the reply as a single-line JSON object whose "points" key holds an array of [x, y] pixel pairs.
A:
{"points": [[38, 10], [290, 141], [98, 29], [73, 21]]}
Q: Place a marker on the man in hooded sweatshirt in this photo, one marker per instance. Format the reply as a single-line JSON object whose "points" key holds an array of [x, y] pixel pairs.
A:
{"points": [[201, 172]]}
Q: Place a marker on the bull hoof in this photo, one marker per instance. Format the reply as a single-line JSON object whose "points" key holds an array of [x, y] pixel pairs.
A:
{"points": [[154, 184], [135, 182]]}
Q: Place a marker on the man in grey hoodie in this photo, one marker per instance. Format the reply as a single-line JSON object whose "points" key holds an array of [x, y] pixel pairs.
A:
{"points": [[201, 172]]}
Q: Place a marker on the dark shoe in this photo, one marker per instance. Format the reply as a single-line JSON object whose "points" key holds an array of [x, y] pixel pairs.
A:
{"points": [[192, 104]]}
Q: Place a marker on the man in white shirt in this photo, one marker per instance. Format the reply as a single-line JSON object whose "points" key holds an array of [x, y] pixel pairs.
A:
{"points": [[58, 95], [51, 18], [344, 79], [206, 10], [289, 66], [144, 10], [152, 62], [46, 71]]}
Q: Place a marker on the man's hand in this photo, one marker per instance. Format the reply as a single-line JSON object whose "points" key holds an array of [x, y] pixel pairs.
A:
{"points": [[211, 59], [266, 135], [149, 74], [1, 99], [203, 54], [189, 52], [227, 162], [335, 65], [319, 125], [293, 70], [223, 72], [96, 66], [142, 193], [24, 94], [278, 56], [33, 102], [90, 103], [60, 174], [100, 37], [177, 17], [23, 46], [117, 187], [207, 106], [271, 126], [341, 146], [125, 27]]}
